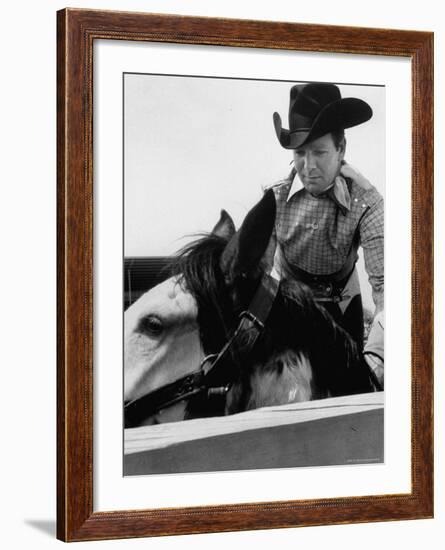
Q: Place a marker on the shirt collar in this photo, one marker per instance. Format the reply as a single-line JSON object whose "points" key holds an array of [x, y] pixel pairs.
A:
{"points": [[338, 192]]}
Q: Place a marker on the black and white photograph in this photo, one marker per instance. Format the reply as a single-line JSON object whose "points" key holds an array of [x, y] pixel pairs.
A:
{"points": [[222, 225], [253, 273]]}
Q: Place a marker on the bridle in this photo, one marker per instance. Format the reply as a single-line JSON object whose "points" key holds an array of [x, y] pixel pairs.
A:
{"points": [[217, 372]]}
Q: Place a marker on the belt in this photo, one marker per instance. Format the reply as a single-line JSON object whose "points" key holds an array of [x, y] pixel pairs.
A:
{"points": [[325, 288]]}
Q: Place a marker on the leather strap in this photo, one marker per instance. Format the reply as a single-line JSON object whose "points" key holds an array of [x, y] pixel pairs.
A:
{"points": [[149, 404]]}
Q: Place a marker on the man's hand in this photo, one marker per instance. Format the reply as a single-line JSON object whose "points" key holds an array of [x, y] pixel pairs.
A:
{"points": [[374, 348]]}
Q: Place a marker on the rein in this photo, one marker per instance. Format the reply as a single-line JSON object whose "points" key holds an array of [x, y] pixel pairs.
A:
{"points": [[216, 373]]}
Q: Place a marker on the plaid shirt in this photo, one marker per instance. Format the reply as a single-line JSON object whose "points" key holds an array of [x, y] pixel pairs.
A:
{"points": [[316, 236]]}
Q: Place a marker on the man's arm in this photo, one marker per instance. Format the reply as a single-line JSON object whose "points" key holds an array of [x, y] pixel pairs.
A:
{"points": [[372, 242]]}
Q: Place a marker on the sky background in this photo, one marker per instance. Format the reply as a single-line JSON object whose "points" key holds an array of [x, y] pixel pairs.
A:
{"points": [[195, 145]]}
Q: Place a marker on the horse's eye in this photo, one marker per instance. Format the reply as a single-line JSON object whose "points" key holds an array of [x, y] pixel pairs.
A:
{"points": [[151, 325]]}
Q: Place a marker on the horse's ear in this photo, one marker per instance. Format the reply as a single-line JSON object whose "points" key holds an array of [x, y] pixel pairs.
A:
{"points": [[225, 228], [246, 248]]}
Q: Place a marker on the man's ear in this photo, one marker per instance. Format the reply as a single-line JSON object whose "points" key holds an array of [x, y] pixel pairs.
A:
{"points": [[342, 149], [246, 248], [225, 228]]}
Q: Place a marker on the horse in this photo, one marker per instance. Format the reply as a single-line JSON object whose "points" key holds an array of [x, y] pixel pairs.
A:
{"points": [[225, 334]]}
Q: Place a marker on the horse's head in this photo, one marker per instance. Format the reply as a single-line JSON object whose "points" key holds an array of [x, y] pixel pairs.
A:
{"points": [[172, 326], [161, 340]]}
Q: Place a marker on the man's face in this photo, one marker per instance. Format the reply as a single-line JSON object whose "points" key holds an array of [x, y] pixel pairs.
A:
{"points": [[318, 163]]}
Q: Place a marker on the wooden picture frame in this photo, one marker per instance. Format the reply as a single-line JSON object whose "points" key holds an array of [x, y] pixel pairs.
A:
{"points": [[77, 31]]}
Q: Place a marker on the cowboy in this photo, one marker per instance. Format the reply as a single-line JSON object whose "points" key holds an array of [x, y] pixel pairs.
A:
{"points": [[326, 210]]}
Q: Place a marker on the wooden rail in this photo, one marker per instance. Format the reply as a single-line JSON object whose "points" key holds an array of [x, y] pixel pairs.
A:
{"points": [[341, 430]]}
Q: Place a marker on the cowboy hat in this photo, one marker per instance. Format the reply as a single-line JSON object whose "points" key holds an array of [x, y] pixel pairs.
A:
{"points": [[317, 109]]}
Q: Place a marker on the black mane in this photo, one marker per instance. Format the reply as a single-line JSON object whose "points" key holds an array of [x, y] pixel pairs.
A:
{"points": [[197, 266]]}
